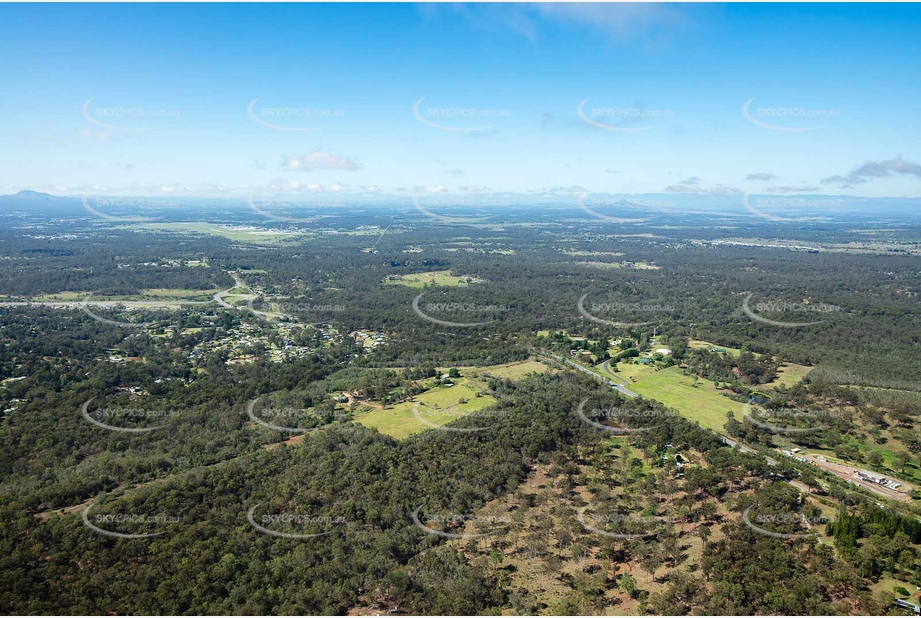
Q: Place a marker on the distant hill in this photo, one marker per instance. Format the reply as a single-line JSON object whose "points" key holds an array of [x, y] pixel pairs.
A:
{"points": [[35, 202]]}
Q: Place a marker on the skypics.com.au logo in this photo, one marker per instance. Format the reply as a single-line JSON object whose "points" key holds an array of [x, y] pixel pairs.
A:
{"points": [[435, 524], [291, 414], [786, 307], [428, 203], [622, 308], [314, 525], [767, 419], [291, 119], [94, 204], [591, 206], [782, 520], [625, 115], [110, 520], [761, 206], [267, 310], [85, 305], [268, 208], [456, 119], [457, 308], [623, 420], [773, 118], [628, 526], [128, 119], [446, 415], [96, 417]]}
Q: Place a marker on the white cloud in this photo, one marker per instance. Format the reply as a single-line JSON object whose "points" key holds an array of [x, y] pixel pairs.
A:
{"points": [[789, 189], [87, 134], [876, 169], [318, 160], [692, 185], [571, 190], [724, 190], [432, 189], [621, 18]]}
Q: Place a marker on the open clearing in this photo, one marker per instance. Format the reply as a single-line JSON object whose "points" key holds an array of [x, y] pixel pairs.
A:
{"points": [[148, 294], [790, 374], [706, 345], [419, 280], [513, 371], [247, 234], [439, 406], [702, 403], [634, 265], [633, 372]]}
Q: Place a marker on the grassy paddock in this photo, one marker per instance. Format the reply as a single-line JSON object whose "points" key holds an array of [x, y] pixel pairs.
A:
{"points": [[440, 405], [703, 403], [419, 280]]}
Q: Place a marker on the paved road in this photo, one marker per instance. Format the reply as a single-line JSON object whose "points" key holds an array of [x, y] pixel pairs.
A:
{"points": [[619, 382], [839, 470], [66, 304], [626, 391], [619, 387], [735, 444], [238, 283]]}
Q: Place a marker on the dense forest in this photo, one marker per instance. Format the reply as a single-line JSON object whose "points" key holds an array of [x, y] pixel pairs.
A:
{"points": [[192, 467]]}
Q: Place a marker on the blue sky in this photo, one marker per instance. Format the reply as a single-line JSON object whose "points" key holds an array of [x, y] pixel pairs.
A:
{"points": [[153, 99]]}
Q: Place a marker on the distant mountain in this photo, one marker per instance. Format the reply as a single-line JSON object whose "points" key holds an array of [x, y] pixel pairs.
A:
{"points": [[34, 202]]}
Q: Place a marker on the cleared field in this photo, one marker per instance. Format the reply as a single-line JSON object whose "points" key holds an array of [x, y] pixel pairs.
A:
{"points": [[438, 406], [702, 403], [790, 374], [888, 583], [177, 293], [632, 371], [65, 296], [593, 253], [245, 234], [634, 265], [514, 371], [706, 345], [419, 280], [145, 295]]}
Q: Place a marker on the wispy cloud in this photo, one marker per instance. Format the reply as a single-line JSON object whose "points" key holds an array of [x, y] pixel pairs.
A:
{"points": [[789, 189], [722, 189], [617, 20], [763, 176], [429, 189], [688, 185], [620, 18], [87, 134], [318, 160], [692, 185], [281, 185], [571, 190]]}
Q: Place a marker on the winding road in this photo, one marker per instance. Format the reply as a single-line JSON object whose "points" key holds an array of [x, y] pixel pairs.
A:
{"points": [[615, 385]]}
